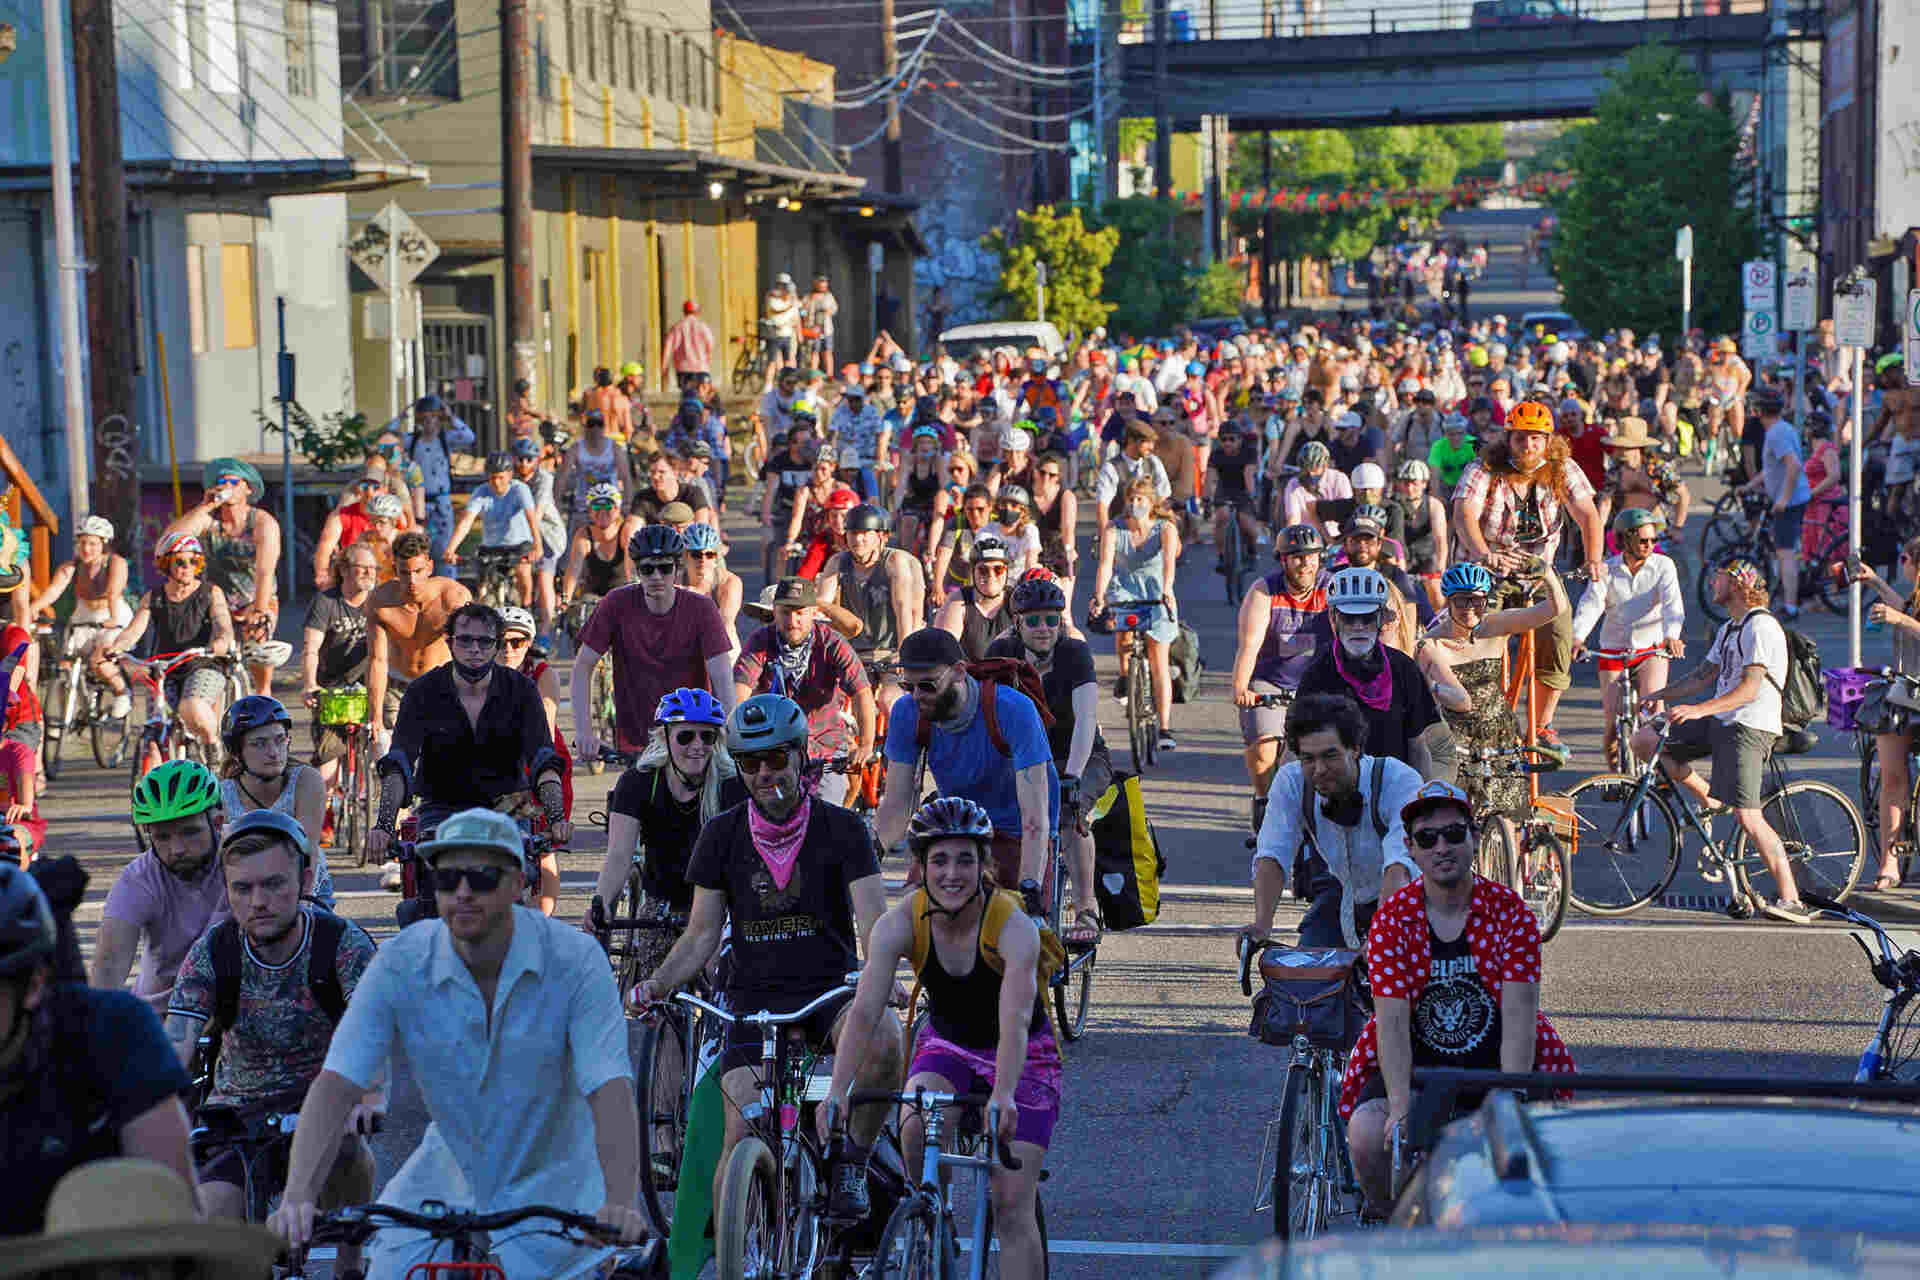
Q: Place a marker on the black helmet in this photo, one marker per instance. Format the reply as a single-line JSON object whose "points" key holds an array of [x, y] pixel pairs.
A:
{"points": [[275, 824], [1819, 425], [1037, 593], [946, 818], [499, 460], [1768, 400], [866, 518], [1297, 538], [254, 711], [655, 542], [27, 931]]}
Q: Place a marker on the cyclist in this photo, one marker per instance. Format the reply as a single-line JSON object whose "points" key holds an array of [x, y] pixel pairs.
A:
{"points": [[1454, 964], [273, 1038], [1424, 518], [85, 1074], [531, 470], [1333, 817], [703, 570], [593, 460], [665, 485], [1403, 721], [1135, 459], [880, 586], [519, 651], [1892, 743], [1317, 482], [407, 621], [384, 512], [344, 525], [98, 576], [467, 735], [1230, 480], [170, 893], [512, 522], [919, 490], [242, 551], [597, 560], [1016, 528], [663, 637], [799, 880], [1362, 538], [817, 669], [987, 1028], [1640, 609], [1782, 476], [186, 612], [1001, 761], [1056, 514], [334, 651], [976, 615], [1738, 726], [259, 772], [552, 1121], [1139, 549], [785, 473], [1282, 624], [1080, 756], [951, 568], [1507, 513]]}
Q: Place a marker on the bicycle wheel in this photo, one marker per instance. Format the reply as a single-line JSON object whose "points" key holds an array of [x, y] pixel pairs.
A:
{"points": [[1300, 1185], [1073, 995], [660, 1068], [1543, 878], [1139, 699], [1826, 843], [1615, 874], [909, 1246], [962, 1220], [1498, 853], [105, 732], [745, 1236], [1869, 781], [58, 702], [1230, 560], [1758, 551], [366, 790]]}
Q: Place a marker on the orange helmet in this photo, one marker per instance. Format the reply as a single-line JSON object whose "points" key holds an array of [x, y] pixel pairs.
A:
{"points": [[1530, 415]]}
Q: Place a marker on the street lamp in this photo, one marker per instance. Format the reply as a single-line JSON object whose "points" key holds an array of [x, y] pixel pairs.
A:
{"points": [[716, 189]]}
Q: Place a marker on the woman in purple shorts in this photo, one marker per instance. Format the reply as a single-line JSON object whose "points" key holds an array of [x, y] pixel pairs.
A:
{"points": [[988, 1029]]}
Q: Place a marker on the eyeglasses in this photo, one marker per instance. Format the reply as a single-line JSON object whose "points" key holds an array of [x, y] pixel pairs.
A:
{"points": [[775, 759], [655, 568], [1452, 833], [473, 642], [687, 737], [922, 686], [483, 879], [1041, 619]]}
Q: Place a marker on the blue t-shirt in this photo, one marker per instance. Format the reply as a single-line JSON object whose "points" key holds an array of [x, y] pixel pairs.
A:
{"points": [[1783, 442], [504, 518], [966, 763]]}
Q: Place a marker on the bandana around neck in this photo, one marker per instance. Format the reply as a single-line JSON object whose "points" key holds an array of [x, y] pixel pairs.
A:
{"points": [[1375, 691], [778, 843]]}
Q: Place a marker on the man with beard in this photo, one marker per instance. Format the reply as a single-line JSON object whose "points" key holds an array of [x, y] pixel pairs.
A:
{"points": [[288, 970], [468, 734], [1361, 541], [976, 616], [1392, 694], [1136, 458], [1455, 969], [170, 893], [883, 588], [1283, 623], [812, 664], [799, 879]]}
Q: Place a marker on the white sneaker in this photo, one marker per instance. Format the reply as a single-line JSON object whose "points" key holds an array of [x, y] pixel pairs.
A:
{"points": [[390, 876], [121, 706]]}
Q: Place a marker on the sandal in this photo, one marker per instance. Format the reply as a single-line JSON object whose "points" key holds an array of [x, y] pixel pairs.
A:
{"points": [[1085, 930], [1886, 883]]}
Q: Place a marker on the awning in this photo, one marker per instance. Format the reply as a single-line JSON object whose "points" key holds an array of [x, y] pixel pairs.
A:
{"points": [[694, 171], [306, 176], [879, 215]]}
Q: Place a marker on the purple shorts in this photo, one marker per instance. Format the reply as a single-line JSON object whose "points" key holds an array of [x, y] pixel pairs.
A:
{"points": [[1037, 1095]]}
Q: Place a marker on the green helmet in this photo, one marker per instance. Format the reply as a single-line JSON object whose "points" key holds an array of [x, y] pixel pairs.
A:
{"points": [[176, 789], [1630, 519], [766, 721]]}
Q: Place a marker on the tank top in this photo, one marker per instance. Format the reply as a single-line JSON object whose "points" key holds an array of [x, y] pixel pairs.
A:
{"points": [[870, 600], [230, 559], [185, 625], [1418, 529], [966, 1010], [599, 577], [237, 802], [977, 630], [921, 491], [1048, 520], [590, 470], [1296, 628]]}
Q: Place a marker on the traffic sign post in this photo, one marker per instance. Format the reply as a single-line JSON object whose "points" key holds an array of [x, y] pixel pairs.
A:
{"points": [[1683, 250], [1758, 333], [1853, 314], [1798, 314], [1853, 301], [393, 251]]}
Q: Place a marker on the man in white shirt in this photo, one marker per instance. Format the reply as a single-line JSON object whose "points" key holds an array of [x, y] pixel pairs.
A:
{"points": [[1644, 616], [1136, 457], [1737, 727], [511, 1024]]}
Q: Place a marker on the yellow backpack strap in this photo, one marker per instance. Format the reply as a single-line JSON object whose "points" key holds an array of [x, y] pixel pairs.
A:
{"points": [[1053, 955], [917, 957]]}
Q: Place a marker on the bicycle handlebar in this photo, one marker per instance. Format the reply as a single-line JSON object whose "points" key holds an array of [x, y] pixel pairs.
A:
{"points": [[920, 1098], [354, 1225], [765, 1018], [1247, 951], [1894, 969]]}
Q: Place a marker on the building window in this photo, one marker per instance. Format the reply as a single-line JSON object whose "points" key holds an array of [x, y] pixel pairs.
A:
{"points": [[686, 71], [300, 68], [196, 299], [236, 295], [593, 46], [613, 51], [393, 47], [220, 41]]}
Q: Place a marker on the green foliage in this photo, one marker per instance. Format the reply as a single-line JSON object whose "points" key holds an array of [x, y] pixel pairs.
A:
{"points": [[1556, 153], [1076, 256], [1219, 290], [336, 440], [1654, 159], [1148, 282]]}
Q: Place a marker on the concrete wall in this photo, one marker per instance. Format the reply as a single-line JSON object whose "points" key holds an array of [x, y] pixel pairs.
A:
{"points": [[1897, 159]]}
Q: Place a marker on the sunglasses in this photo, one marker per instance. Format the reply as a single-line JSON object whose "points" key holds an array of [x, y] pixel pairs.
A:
{"points": [[956, 471], [1452, 833], [1041, 619], [1468, 604], [520, 643], [775, 759], [473, 642], [655, 568], [922, 686], [483, 879], [991, 568], [603, 506], [687, 737], [703, 555]]}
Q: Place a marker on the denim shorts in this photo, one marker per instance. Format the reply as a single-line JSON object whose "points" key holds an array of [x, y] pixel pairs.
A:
{"points": [[1786, 527]]}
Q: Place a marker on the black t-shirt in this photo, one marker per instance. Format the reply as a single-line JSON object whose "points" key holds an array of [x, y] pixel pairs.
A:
{"points": [[1392, 728], [1072, 667], [96, 1061], [1753, 435], [343, 642], [1456, 1020], [790, 944], [648, 502], [1647, 382], [1368, 442], [1232, 485], [668, 829], [793, 476]]}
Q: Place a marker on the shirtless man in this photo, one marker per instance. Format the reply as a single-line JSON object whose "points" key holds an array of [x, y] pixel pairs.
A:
{"points": [[406, 628]]}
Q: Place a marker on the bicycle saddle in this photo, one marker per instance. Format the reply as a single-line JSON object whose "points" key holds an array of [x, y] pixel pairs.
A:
{"points": [[1796, 742]]}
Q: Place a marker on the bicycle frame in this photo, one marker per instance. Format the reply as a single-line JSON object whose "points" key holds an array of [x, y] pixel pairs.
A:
{"points": [[1897, 971], [934, 1157]]}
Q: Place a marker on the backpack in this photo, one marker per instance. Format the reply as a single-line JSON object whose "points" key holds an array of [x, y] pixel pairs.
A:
{"points": [[1307, 824], [1803, 695], [323, 975], [1000, 908], [992, 673]]}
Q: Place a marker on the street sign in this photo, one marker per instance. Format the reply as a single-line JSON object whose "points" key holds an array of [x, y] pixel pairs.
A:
{"points": [[1913, 337], [1799, 295], [392, 249], [1756, 283], [1683, 244], [1853, 315], [1758, 333]]}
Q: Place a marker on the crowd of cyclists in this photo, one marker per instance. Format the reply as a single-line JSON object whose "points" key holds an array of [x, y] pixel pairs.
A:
{"points": [[1427, 496]]}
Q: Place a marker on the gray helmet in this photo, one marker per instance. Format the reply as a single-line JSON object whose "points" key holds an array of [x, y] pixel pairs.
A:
{"points": [[27, 931], [766, 721]]}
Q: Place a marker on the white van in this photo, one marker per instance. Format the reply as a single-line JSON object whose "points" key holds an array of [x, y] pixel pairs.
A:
{"points": [[1022, 335]]}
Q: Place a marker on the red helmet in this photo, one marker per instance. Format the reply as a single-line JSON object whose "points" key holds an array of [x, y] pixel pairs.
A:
{"points": [[689, 307], [842, 499]]}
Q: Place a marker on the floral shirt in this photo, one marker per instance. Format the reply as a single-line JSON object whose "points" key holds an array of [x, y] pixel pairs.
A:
{"points": [[1659, 475], [1524, 517]]}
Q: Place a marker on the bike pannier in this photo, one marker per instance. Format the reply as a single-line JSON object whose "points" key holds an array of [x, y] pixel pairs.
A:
{"points": [[1127, 864], [1311, 992]]}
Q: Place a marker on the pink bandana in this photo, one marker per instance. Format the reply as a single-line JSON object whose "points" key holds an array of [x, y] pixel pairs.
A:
{"points": [[1376, 692], [778, 843]]}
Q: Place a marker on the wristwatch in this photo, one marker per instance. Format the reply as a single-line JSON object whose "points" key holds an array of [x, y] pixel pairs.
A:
{"points": [[1030, 894]]}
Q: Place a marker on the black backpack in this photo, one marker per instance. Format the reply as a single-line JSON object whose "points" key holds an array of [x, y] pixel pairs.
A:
{"points": [[323, 975], [1803, 696]]}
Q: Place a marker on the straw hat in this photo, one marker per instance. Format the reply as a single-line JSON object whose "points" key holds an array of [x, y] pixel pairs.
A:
{"points": [[122, 1211], [1630, 433]]}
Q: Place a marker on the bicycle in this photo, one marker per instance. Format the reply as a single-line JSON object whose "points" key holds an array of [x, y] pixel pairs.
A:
{"points": [[1626, 717], [921, 1240], [1731, 520], [163, 737], [1902, 691], [1313, 1183], [750, 365], [600, 687], [1627, 838], [1071, 985], [1236, 554], [261, 1135], [1527, 856], [1893, 1055], [1135, 618], [73, 697], [1758, 546], [496, 586], [353, 800], [467, 1233]]}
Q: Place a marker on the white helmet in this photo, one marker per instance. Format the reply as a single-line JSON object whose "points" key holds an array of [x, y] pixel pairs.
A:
{"points": [[97, 527], [514, 618], [1414, 469], [1355, 590], [1122, 383], [385, 506], [1368, 475]]}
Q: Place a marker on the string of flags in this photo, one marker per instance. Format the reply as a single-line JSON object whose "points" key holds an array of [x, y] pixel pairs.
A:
{"points": [[1469, 191]]}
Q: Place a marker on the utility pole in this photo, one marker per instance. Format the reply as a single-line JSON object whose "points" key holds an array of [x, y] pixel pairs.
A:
{"points": [[516, 176], [67, 266], [103, 230], [1162, 130], [890, 177]]}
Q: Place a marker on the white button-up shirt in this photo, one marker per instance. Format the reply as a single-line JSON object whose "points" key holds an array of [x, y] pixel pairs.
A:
{"points": [[506, 1088], [1357, 856], [1636, 610]]}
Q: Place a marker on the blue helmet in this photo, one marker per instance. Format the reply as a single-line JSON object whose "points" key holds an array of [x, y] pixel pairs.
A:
{"points": [[1465, 578], [1196, 369], [1045, 415], [701, 537], [689, 706]]}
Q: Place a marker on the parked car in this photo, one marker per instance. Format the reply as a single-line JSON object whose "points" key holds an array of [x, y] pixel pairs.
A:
{"points": [[1021, 335], [1558, 323], [1521, 13]]}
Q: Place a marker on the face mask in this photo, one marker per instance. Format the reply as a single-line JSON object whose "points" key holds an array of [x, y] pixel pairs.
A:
{"points": [[1139, 510], [472, 675]]}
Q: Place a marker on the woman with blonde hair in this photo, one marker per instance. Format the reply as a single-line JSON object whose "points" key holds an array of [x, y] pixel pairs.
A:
{"points": [[1138, 551]]}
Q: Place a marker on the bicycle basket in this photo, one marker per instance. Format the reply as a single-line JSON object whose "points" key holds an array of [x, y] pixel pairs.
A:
{"points": [[341, 706], [1848, 689], [1557, 809], [1311, 992]]}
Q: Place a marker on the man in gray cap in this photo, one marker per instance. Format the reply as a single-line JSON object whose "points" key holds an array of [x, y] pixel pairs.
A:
{"points": [[810, 662]]}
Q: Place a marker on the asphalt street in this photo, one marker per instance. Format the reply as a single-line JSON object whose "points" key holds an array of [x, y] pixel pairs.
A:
{"points": [[1168, 1099]]}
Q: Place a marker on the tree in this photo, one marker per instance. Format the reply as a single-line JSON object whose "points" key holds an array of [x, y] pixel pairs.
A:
{"points": [[1076, 256], [1655, 158], [1148, 282], [1219, 290]]}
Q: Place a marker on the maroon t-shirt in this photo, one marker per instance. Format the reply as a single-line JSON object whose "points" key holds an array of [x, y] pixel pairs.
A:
{"points": [[834, 677], [653, 653]]}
